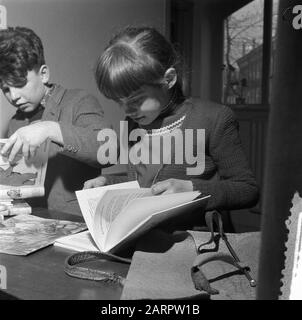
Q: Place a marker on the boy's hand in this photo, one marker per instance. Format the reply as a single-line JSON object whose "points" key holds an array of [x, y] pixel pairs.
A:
{"points": [[94, 183], [27, 139], [172, 186]]}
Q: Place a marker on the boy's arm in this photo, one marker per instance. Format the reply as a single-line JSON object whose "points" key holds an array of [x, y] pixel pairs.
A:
{"points": [[76, 136], [80, 136]]}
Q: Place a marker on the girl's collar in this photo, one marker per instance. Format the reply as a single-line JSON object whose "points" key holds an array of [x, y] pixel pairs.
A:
{"points": [[165, 124]]}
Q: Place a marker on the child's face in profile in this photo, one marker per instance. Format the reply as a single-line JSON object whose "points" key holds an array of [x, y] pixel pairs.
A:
{"points": [[145, 105], [28, 97]]}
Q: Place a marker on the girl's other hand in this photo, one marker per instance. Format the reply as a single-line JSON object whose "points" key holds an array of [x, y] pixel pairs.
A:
{"points": [[172, 186], [94, 183]]}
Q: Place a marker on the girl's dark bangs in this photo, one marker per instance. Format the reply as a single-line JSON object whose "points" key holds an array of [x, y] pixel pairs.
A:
{"points": [[123, 77], [123, 84]]}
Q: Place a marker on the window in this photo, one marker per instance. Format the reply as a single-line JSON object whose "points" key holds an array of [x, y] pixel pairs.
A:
{"points": [[244, 78]]}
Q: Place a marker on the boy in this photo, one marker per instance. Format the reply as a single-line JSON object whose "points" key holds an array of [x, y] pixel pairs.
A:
{"points": [[71, 119]]}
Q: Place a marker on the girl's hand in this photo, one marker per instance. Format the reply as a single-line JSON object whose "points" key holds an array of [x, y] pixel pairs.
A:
{"points": [[172, 186], [94, 183]]}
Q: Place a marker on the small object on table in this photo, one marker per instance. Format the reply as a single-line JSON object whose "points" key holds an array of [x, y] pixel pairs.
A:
{"points": [[3, 211]]}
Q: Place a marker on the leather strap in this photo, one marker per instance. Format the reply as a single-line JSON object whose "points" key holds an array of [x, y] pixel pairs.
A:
{"points": [[72, 269], [199, 279], [210, 216]]}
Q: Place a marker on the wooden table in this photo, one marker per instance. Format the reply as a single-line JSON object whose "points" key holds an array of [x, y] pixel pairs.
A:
{"points": [[40, 275]]}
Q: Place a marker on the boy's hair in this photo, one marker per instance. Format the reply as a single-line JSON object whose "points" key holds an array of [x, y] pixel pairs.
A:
{"points": [[135, 57], [21, 50]]}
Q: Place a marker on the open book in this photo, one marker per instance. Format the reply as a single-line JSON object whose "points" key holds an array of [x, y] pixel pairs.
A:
{"points": [[119, 213], [23, 179]]}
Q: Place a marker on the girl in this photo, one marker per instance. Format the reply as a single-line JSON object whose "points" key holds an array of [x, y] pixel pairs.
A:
{"points": [[140, 70]]}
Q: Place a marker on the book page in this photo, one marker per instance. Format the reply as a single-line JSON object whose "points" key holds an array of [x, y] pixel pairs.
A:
{"points": [[81, 241], [89, 199], [141, 210], [109, 208], [25, 178]]}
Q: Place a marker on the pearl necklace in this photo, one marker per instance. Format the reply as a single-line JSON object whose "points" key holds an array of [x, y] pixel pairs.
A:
{"points": [[167, 129]]}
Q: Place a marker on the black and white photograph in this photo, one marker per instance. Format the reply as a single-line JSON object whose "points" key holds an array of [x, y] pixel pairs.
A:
{"points": [[165, 138]]}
